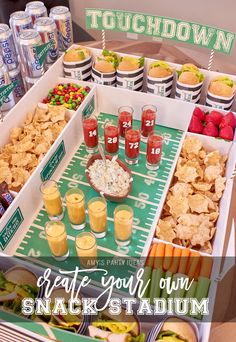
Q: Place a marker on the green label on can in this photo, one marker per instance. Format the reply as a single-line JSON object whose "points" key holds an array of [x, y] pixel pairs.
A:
{"points": [[10, 228], [42, 51], [53, 162], [6, 90], [88, 110]]}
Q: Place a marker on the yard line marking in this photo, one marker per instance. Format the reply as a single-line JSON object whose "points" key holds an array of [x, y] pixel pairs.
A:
{"points": [[147, 176], [149, 219], [25, 242], [141, 247], [144, 236], [28, 236], [72, 238], [148, 224], [21, 248]]}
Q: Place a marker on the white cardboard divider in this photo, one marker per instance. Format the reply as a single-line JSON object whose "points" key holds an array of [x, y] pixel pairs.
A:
{"points": [[209, 75], [28, 199]]}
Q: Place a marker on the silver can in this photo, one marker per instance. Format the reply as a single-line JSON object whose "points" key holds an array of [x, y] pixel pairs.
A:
{"points": [[19, 90], [19, 21], [47, 29], [7, 47], [30, 82], [62, 17], [36, 9], [28, 41], [4, 80]]}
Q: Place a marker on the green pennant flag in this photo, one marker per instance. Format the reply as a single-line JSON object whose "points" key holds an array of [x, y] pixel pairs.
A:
{"points": [[163, 27], [6, 90], [42, 51]]}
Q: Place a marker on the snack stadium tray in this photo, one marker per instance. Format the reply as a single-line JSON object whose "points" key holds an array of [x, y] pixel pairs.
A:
{"points": [[148, 191], [149, 188]]}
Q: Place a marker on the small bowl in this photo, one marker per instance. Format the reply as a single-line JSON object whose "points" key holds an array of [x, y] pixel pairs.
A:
{"points": [[112, 198]]}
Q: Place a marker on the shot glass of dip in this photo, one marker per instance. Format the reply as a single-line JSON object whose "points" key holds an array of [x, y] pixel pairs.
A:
{"points": [[76, 208], [52, 200], [86, 248], [125, 120], [154, 150], [90, 129], [111, 138], [149, 113], [132, 146], [123, 222], [57, 239], [97, 211]]}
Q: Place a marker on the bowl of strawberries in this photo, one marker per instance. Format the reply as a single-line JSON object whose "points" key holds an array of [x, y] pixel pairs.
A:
{"points": [[213, 123]]}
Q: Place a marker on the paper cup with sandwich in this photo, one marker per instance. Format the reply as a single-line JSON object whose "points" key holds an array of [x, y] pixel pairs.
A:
{"points": [[160, 78], [221, 93], [174, 330], [189, 83], [130, 73], [104, 68], [116, 328], [77, 64]]}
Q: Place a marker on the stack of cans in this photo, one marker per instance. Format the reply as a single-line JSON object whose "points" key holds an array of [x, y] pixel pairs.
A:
{"points": [[18, 45], [9, 67]]}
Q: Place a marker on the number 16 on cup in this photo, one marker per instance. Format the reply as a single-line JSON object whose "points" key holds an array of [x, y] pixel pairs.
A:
{"points": [[154, 150]]}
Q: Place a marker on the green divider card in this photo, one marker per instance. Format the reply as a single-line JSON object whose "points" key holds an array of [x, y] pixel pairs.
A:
{"points": [[53, 162], [157, 26], [148, 190], [10, 228], [6, 90], [42, 51], [90, 107]]}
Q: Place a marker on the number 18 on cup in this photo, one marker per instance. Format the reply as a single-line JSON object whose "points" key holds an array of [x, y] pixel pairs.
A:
{"points": [[154, 150], [90, 128]]}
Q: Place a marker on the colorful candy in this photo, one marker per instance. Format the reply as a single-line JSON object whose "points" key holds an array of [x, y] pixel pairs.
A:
{"points": [[69, 95]]}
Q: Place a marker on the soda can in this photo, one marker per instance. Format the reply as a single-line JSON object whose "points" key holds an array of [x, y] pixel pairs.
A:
{"points": [[62, 17], [30, 82], [19, 90], [7, 47], [36, 9], [29, 40], [19, 21], [4, 80], [47, 29]]}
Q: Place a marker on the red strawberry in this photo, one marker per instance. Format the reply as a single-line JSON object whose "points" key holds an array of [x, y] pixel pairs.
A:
{"points": [[214, 117], [195, 125], [199, 113], [227, 133], [228, 120], [210, 129]]}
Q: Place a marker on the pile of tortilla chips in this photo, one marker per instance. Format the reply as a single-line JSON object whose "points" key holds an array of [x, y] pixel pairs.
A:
{"points": [[29, 143], [192, 206]]}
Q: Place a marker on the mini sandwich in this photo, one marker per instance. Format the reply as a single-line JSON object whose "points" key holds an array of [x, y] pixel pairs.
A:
{"points": [[176, 330], [130, 63], [222, 86], [76, 55], [106, 63], [120, 328], [189, 74], [160, 69]]}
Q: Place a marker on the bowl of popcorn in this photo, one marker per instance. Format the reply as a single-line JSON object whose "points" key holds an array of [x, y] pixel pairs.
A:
{"points": [[112, 180]]}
